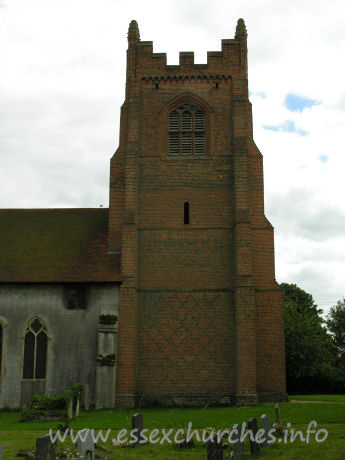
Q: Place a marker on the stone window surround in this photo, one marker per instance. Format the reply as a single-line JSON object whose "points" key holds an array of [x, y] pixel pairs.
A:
{"points": [[26, 330]]}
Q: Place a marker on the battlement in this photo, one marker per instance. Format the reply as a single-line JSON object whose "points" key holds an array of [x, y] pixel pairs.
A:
{"points": [[230, 61]]}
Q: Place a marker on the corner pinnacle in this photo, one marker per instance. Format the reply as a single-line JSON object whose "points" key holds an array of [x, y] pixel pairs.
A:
{"points": [[241, 30], [133, 32]]}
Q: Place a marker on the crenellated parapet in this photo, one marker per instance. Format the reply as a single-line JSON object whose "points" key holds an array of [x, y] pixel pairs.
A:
{"points": [[227, 63]]}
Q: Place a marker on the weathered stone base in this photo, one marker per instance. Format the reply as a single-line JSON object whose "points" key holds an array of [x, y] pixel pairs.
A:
{"points": [[273, 397], [125, 400], [245, 399], [196, 400], [177, 400]]}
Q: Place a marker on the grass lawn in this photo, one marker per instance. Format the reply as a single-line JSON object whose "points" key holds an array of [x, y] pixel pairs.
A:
{"points": [[322, 398], [15, 436]]}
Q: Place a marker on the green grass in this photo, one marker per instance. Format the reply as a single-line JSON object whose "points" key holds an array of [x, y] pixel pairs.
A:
{"points": [[322, 398], [15, 435]]}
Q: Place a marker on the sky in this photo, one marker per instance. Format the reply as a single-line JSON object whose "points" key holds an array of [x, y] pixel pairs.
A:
{"points": [[62, 77]]}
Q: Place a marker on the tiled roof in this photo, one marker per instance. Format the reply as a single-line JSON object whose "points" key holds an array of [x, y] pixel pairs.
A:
{"points": [[56, 245]]}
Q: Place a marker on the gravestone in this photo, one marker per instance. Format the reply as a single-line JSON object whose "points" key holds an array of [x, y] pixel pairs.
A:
{"points": [[237, 447], [77, 408], [137, 424], [70, 408], [214, 450], [86, 446], [45, 449], [277, 410], [253, 426], [265, 425], [1, 453], [185, 445], [86, 396]]}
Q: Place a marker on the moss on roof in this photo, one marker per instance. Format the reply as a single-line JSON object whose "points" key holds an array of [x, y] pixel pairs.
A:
{"points": [[56, 245]]}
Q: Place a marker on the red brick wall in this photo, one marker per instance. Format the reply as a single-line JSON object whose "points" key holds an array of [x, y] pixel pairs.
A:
{"points": [[200, 312], [185, 347], [270, 345]]}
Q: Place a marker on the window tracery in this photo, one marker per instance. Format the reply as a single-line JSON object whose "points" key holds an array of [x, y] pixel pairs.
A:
{"points": [[35, 350], [186, 130]]}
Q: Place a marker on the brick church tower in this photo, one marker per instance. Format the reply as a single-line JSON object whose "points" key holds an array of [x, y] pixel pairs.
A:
{"points": [[201, 315]]}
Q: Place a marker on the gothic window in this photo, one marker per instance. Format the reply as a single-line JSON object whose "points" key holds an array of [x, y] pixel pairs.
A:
{"points": [[186, 130], [35, 350]]}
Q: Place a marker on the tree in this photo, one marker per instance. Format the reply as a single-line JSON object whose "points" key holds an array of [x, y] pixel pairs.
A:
{"points": [[302, 299], [309, 349], [336, 325]]}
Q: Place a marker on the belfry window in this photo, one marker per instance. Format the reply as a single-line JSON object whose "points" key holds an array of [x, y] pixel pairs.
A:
{"points": [[186, 130], [35, 350]]}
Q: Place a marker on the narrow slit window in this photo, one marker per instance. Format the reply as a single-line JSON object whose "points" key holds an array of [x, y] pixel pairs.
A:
{"points": [[35, 351], [186, 130], [186, 213]]}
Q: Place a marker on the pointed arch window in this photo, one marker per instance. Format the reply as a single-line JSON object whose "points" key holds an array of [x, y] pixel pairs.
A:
{"points": [[186, 130], [35, 350]]}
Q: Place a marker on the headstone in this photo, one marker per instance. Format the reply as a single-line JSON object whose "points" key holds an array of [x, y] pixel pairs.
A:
{"points": [[77, 406], [85, 445], [237, 447], [253, 426], [277, 410], [214, 450], [265, 425], [137, 424], [70, 408], [1, 453], [86, 396], [45, 449], [185, 444]]}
